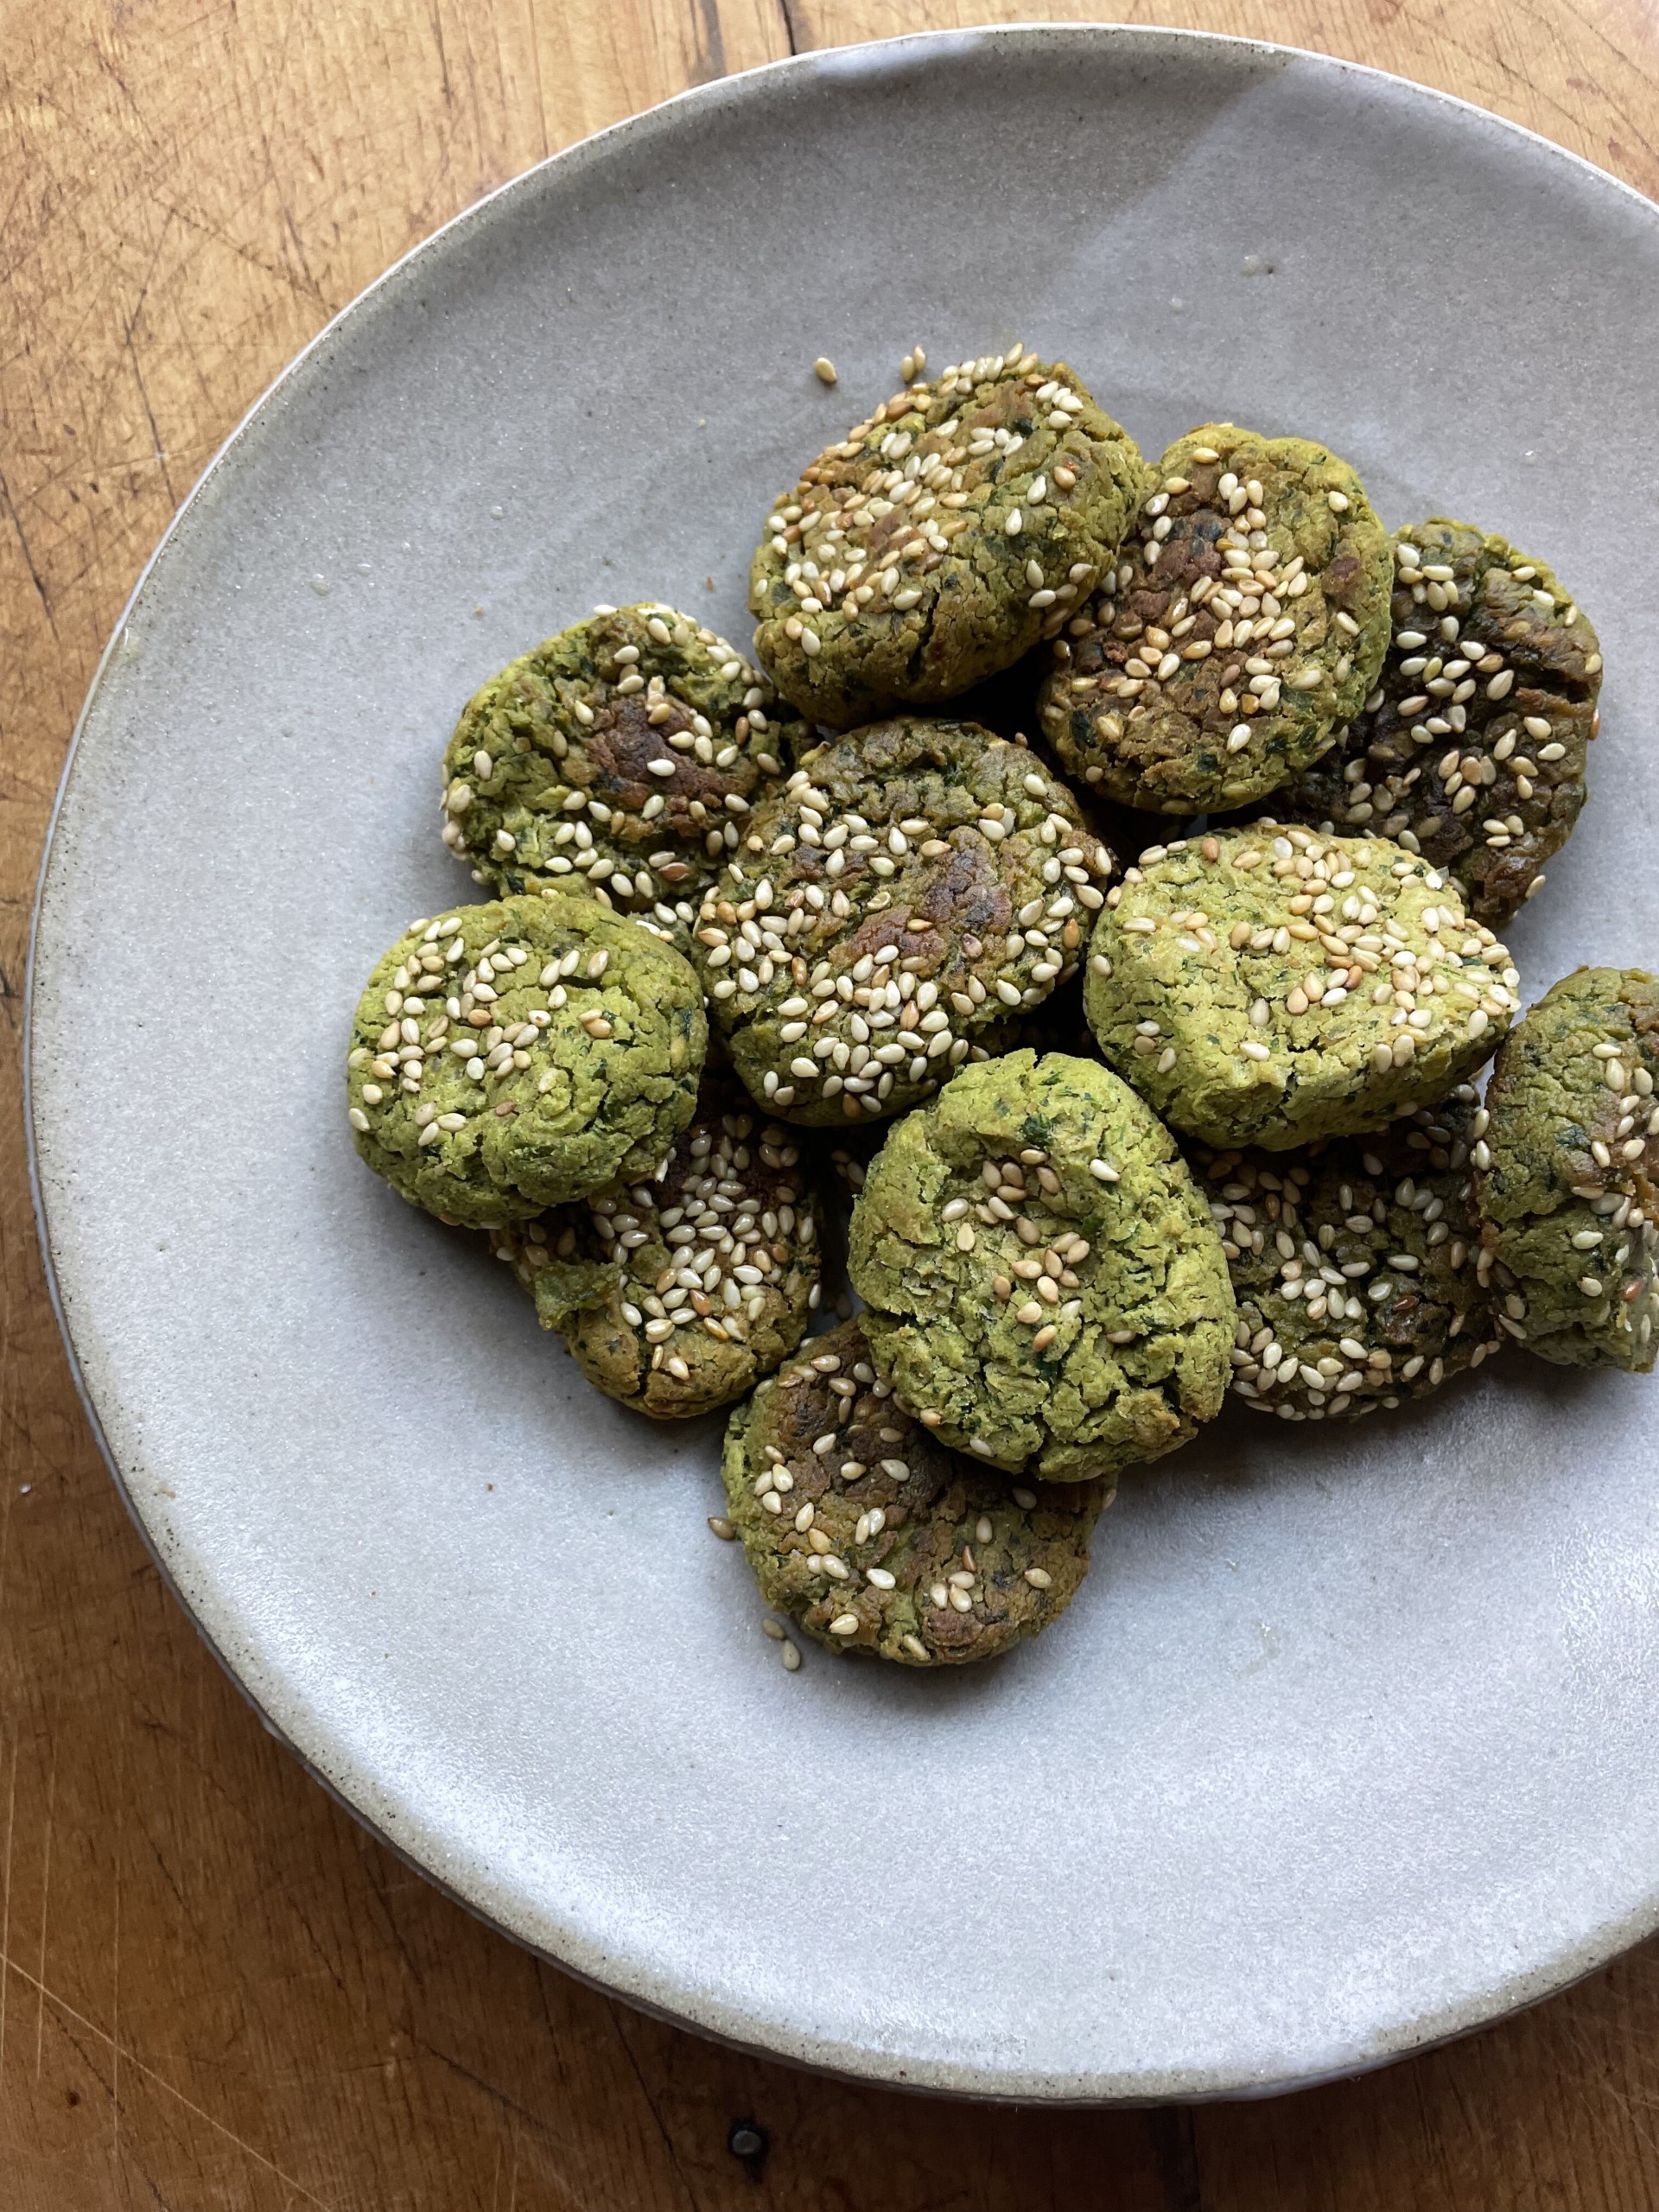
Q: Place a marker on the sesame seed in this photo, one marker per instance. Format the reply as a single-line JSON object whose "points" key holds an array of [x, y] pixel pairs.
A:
{"points": [[825, 369]]}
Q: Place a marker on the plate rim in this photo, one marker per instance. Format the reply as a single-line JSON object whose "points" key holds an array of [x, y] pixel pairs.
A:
{"points": [[683, 2008]]}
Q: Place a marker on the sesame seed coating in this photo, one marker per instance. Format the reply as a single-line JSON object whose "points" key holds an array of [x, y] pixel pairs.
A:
{"points": [[1472, 747], [677, 1295], [877, 1540], [1244, 624], [1356, 1264], [520, 1054], [1045, 1287], [619, 758], [941, 538], [1275, 986], [1568, 1170], [910, 886]]}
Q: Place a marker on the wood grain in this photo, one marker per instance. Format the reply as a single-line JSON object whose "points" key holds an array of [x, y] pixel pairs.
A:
{"points": [[215, 1990]]}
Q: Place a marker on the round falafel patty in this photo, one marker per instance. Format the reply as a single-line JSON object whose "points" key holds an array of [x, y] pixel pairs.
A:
{"points": [[1242, 629], [1471, 748], [1045, 1287], [911, 885], [865, 1529], [1355, 1265], [1569, 1172], [677, 1293], [941, 538], [618, 758], [520, 1054], [1274, 985]]}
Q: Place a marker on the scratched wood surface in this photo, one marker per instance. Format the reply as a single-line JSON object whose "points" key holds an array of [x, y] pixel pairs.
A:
{"points": [[215, 1990]]}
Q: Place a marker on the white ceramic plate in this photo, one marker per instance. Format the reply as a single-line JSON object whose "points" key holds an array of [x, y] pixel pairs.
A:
{"points": [[1348, 1742]]}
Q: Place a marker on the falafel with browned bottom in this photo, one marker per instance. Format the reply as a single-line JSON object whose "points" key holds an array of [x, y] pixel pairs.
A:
{"points": [[1242, 629], [1472, 749], [1355, 1265], [875, 1538], [941, 538], [618, 758], [913, 887], [675, 1294]]}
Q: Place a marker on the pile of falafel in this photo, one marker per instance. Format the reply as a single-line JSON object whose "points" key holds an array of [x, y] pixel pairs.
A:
{"points": [[1124, 1139]]}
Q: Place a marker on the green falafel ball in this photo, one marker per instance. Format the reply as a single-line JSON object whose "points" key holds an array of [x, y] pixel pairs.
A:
{"points": [[912, 887], [605, 761], [1045, 1287], [520, 1054], [1569, 1171], [941, 538], [1242, 629], [1274, 985]]}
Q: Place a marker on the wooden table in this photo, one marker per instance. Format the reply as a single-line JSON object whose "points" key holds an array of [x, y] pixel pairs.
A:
{"points": [[216, 1991]]}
